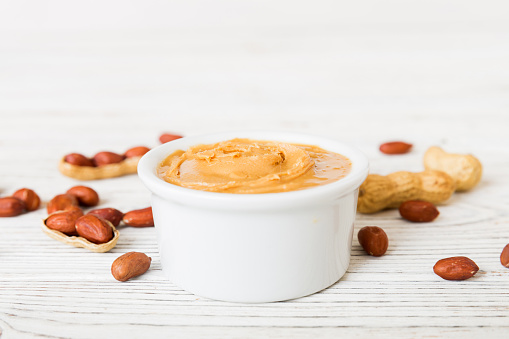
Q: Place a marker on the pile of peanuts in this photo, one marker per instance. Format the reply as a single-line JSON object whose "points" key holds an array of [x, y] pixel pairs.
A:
{"points": [[444, 174], [66, 216], [106, 157], [23, 200]]}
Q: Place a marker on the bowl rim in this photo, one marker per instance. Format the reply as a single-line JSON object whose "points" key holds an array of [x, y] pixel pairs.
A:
{"points": [[253, 201]]}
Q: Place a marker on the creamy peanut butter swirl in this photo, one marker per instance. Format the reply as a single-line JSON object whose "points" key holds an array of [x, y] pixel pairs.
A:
{"points": [[253, 166]]}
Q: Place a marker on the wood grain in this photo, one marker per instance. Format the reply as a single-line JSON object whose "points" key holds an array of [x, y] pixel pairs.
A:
{"points": [[425, 81]]}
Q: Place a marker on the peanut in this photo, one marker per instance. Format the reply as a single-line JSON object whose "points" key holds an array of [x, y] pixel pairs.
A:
{"points": [[94, 229], [106, 158], [64, 221], [139, 218], [504, 256], [29, 197], [395, 147], [11, 207], [166, 137], [379, 192], [127, 166], [418, 211], [61, 202], [466, 170], [78, 160], [130, 265], [112, 215], [86, 196], [373, 240], [455, 268], [136, 151]]}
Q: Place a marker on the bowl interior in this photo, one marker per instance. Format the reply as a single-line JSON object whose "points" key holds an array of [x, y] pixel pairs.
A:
{"points": [[149, 162]]}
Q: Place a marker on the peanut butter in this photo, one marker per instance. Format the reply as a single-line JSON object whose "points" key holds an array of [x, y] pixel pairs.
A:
{"points": [[253, 166]]}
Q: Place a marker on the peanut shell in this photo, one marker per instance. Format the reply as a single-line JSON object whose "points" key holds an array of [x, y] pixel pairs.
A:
{"points": [[465, 169], [82, 242], [125, 167]]}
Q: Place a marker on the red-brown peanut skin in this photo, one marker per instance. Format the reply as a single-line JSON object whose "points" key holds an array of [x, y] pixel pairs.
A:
{"points": [[373, 240], [112, 215], [167, 137], [94, 229], [61, 202], [139, 218], [86, 196], [130, 265], [418, 211], [64, 221], [455, 268], [136, 151], [78, 160], [29, 197], [106, 158], [11, 207], [504, 256], [395, 147]]}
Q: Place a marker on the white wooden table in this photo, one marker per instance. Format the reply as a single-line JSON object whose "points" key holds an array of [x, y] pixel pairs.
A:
{"points": [[429, 74]]}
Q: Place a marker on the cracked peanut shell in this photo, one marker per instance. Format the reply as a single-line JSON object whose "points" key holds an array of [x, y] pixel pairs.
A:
{"points": [[124, 167]]}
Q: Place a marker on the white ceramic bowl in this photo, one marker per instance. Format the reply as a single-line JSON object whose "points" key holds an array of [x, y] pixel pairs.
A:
{"points": [[254, 247]]}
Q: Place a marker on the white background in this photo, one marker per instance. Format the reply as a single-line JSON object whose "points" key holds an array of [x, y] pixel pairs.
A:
{"points": [[262, 64]]}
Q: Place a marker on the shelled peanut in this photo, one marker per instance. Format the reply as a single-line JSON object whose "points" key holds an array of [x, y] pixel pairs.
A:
{"points": [[139, 218], [130, 265], [504, 256], [455, 268], [64, 221], [418, 211], [395, 147], [86, 196], [61, 202], [94, 229], [373, 240], [11, 207], [167, 137], [111, 214]]}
